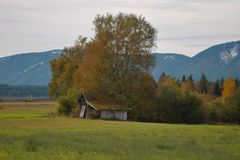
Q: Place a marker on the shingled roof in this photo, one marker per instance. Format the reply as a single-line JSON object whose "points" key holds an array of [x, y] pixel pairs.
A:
{"points": [[104, 106], [107, 106]]}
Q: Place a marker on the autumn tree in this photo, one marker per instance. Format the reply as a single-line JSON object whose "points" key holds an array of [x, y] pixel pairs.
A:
{"points": [[128, 39], [142, 98], [63, 68], [106, 65], [229, 87], [225, 109], [167, 81], [188, 85], [120, 49]]}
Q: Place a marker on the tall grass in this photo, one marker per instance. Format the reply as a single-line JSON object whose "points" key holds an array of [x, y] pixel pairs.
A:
{"points": [[41, 138]]}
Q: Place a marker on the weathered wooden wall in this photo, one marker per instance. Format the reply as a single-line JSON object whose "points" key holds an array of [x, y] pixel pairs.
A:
{"points": [[90, 113], [109, 114]]}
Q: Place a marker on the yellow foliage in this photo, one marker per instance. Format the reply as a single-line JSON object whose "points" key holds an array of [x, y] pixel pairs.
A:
{"points": [[187, 86], [229, 88]]}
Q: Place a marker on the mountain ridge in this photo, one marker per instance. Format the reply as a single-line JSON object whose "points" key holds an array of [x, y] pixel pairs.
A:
{"points": [[218, 61], [27, 68]]}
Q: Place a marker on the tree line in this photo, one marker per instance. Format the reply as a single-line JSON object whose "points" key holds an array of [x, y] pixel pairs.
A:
{"points": [[202, 101], [23, 91], [113, 67]]}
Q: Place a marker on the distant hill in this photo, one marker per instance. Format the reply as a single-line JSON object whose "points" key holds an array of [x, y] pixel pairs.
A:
{"points": [[27, 68], [218, 61], [169, 63]]}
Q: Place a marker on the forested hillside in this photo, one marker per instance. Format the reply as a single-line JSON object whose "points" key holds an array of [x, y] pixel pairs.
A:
{"points": [[27, 69]]}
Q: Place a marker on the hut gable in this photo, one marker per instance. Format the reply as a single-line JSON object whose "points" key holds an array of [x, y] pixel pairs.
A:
{"points": [[86, 109], [103, 111]]}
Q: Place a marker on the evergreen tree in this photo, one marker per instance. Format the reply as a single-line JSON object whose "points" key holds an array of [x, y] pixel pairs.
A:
{"points": [[221, 83], [190, 78], [183, 78], [237, 82], [162, 77], [217, 88], [203, 84]]}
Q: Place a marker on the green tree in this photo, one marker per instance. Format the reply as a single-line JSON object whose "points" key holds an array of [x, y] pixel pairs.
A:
{"points": [[225, 109], [190, 78], [176, 105], [68, 103], [237, 82], [163, 77], [222, 83], [183, 78], [203, 84], [217, 88]]}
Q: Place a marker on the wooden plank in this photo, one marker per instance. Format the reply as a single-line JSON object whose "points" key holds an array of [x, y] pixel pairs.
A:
{"points": [[83, 109]]}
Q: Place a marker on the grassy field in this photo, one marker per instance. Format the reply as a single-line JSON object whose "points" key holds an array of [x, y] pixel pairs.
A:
{"points": [[27, 131]]}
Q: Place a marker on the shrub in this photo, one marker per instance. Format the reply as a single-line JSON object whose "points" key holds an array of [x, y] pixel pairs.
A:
{"points": [[68, 103], [225, 110], [65, 105]]}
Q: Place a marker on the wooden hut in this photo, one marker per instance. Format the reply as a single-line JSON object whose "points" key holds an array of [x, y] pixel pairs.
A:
{"points": [[102, 111]]}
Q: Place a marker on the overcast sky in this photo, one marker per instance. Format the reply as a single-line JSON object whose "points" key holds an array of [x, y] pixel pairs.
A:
{"points": [[184, 26]]}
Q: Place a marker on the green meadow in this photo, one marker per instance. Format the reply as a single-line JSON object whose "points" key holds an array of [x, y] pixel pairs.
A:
{"points": [[29, 130]]}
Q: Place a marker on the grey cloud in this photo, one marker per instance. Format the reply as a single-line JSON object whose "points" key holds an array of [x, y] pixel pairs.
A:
{"points": [[195, 45], [14, 21], [202, 1], [68, 5], [196, 37], [34, 24]]}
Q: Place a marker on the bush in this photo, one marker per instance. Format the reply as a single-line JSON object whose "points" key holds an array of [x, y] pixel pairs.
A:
{"points": [[65, 105], [225, 110], [68, 103]]}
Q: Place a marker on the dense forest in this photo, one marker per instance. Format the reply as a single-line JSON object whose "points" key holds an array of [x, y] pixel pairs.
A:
{"points": [[23, 91], [112, 67]]}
